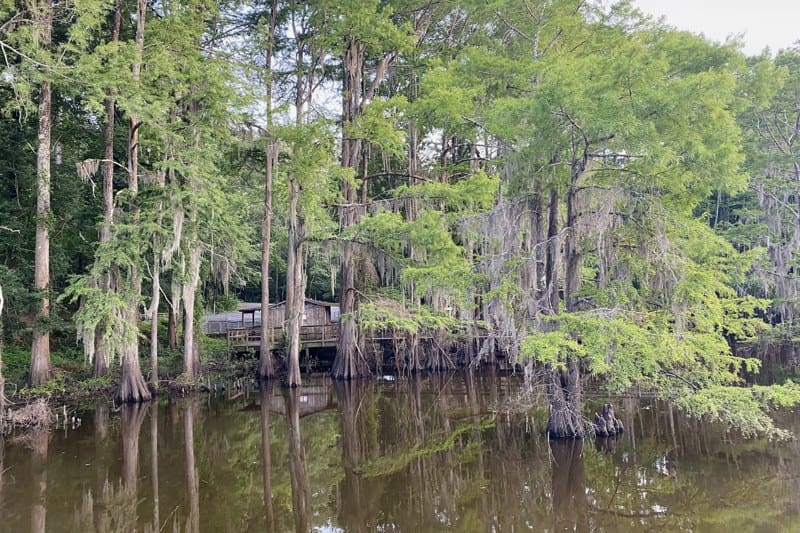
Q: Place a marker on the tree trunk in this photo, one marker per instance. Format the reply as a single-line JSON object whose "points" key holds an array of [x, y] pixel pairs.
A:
{"points": [[132, 387], [553, 252], [101, 356], [572, 240], [155, 295], [295, 287], [40, 368], [564, 393], [348, 363], [191, 352], [155, 299], [266, 368], [174, 312]]}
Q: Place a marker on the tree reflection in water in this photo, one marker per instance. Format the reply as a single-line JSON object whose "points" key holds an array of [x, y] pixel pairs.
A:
{"points": [[417, 455], [358, 410], [38, 441], [568, 487], [297, 461], [266, 389], [154, 465]]}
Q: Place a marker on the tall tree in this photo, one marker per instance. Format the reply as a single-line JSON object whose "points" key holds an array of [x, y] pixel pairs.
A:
{"points": [[266, 367], [98, 352], [40, 352], [639, 133], [132, 387], [772, 138], [371, 42]]}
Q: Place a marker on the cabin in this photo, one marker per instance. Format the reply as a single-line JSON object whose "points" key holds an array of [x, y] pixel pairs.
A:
{"points": [[316, 313], [248, 315], [319, 327]]}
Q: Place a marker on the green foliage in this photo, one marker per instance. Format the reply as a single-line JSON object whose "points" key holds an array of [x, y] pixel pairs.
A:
{"points": [[640, 135], [390, 316], [379, 125], [16, 361], [213, 348], [745, 409], [307, 151], [475, 193]]}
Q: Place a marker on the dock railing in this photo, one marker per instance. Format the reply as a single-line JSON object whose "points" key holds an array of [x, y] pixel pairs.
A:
{"points": [[312, 336]]}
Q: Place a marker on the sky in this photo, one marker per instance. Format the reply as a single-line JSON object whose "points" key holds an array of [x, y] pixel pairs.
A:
{"points": [[773, 23]]}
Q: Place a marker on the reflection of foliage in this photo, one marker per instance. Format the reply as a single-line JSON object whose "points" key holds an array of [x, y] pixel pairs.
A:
{"points": [[119, 506], [707, 483], [390, 464], [427, 456], [231, 473]]}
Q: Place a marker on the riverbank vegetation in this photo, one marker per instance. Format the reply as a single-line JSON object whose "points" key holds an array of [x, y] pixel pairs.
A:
{"points": [[573, 185]]}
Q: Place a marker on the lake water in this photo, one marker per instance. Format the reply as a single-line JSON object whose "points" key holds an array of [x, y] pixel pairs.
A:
{"points": [[439, 453]]}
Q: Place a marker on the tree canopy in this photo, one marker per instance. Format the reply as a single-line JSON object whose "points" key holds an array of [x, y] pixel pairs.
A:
{"points": [[570, 184]]}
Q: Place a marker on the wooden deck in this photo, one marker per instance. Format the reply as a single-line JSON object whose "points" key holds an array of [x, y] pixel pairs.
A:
{"points": [[318, 336]]}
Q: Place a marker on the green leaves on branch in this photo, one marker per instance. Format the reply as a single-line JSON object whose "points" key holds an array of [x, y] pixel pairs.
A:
{"points": [[473, 194], [379, 124], [389, 316], [743, 408]]}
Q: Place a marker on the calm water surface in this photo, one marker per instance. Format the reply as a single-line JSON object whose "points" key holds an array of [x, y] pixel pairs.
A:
{"points": [[428, 454]]}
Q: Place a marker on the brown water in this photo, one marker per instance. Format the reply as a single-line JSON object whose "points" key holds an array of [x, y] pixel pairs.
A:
{"points": [[430, 454]]}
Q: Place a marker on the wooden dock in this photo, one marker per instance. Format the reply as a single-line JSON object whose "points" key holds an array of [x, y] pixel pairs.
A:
{"points": [[312, 336]]}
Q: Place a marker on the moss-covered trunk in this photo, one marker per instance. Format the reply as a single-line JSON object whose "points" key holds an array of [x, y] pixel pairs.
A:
{"points": [[191, 348], [564, 390], [132, 387], [295, 287]]}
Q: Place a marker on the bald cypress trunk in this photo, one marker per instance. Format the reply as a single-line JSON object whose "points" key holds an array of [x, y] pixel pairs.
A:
{"points": [[174, 313], [295, 287], [571, 242], [552, 254], [132, 386], [101, 355], [266, 367], [40, 350], [564, 393], [349, 363], [191, 353]]}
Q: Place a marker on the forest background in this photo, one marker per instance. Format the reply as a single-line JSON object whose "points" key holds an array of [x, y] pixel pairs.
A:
{"points": [[596, 193]]}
